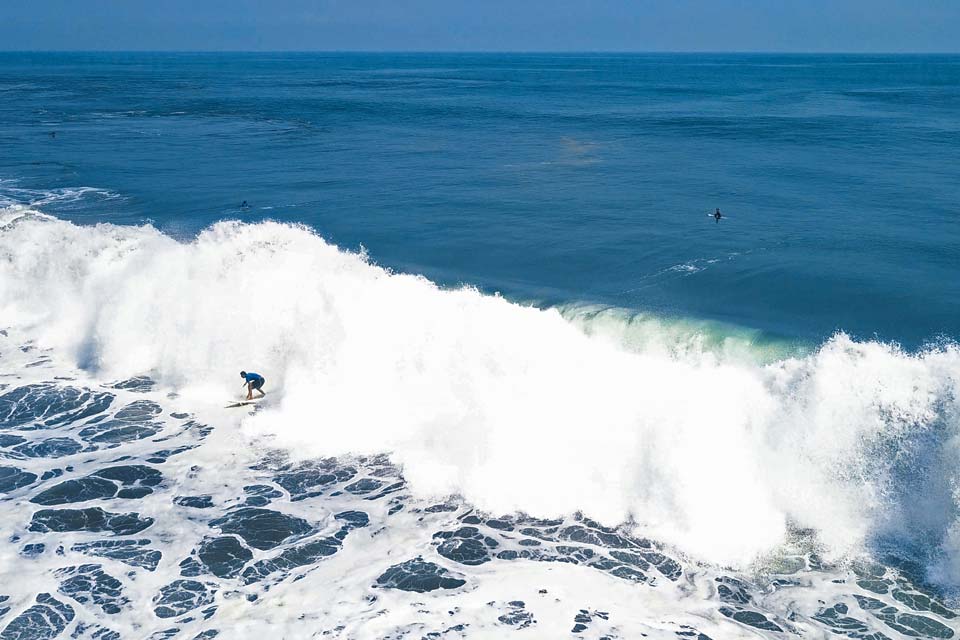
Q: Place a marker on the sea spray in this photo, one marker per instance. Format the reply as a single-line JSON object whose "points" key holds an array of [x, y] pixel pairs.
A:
{"points": [[511, 406]]}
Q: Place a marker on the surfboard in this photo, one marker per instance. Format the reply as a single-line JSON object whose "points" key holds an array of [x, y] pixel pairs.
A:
{"points": [[242, 403]]}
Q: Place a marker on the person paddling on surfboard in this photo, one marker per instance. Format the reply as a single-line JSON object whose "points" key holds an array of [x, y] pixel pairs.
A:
{"points": [[717, 215], [254, 382]]}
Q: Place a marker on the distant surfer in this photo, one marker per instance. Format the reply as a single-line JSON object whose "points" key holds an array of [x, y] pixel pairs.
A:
{"points": [[254, 382], [244, 205], [717, 215]]}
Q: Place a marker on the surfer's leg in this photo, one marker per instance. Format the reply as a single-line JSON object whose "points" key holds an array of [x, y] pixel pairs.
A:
{"points": [[259, 388]]}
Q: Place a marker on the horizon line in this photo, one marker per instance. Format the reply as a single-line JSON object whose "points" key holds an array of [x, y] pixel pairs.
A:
{"points": [[499, 51]]}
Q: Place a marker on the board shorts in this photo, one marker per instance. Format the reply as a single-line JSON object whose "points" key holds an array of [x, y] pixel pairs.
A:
{"points": [[256, 384]]}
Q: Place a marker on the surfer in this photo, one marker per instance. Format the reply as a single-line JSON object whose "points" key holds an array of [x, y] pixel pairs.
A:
{"points": [[244, 205], [254, 382], [717, 215]]}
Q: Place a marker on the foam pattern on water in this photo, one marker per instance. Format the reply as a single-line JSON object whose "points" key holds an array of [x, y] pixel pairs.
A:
{"points": [[190, 532]]}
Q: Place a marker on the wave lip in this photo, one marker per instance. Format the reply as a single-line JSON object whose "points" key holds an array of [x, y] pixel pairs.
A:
{"points": [[720, 444], [680, 338]]}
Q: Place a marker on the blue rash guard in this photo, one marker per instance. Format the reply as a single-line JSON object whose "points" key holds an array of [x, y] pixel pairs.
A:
{"points": [[254, 379]]}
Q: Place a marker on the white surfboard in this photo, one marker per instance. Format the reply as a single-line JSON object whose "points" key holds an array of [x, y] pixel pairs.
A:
{"points": [[242, 403]]}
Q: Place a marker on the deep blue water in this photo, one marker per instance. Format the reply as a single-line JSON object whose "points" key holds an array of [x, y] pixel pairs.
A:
{"points": [[552, 178]]}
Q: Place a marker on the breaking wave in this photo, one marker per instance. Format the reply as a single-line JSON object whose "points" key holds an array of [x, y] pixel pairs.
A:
{"points": [[710, 438]]}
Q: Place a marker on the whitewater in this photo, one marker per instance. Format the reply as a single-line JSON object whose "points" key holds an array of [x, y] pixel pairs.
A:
{"points": [[515, 408], [666, 477]]}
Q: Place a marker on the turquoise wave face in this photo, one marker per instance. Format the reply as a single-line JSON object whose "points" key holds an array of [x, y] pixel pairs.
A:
{"points": [[556, 178], [683, 337]]}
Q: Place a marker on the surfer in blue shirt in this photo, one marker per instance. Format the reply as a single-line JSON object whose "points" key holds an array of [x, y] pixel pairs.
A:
{"points": [[254, 382]]}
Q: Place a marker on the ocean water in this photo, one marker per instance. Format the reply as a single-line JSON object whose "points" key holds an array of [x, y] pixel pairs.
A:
{"points": [[518, 381]]}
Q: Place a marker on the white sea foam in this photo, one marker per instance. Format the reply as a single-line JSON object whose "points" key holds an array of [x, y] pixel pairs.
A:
{"points": [[715, 449], [12, 195]]}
